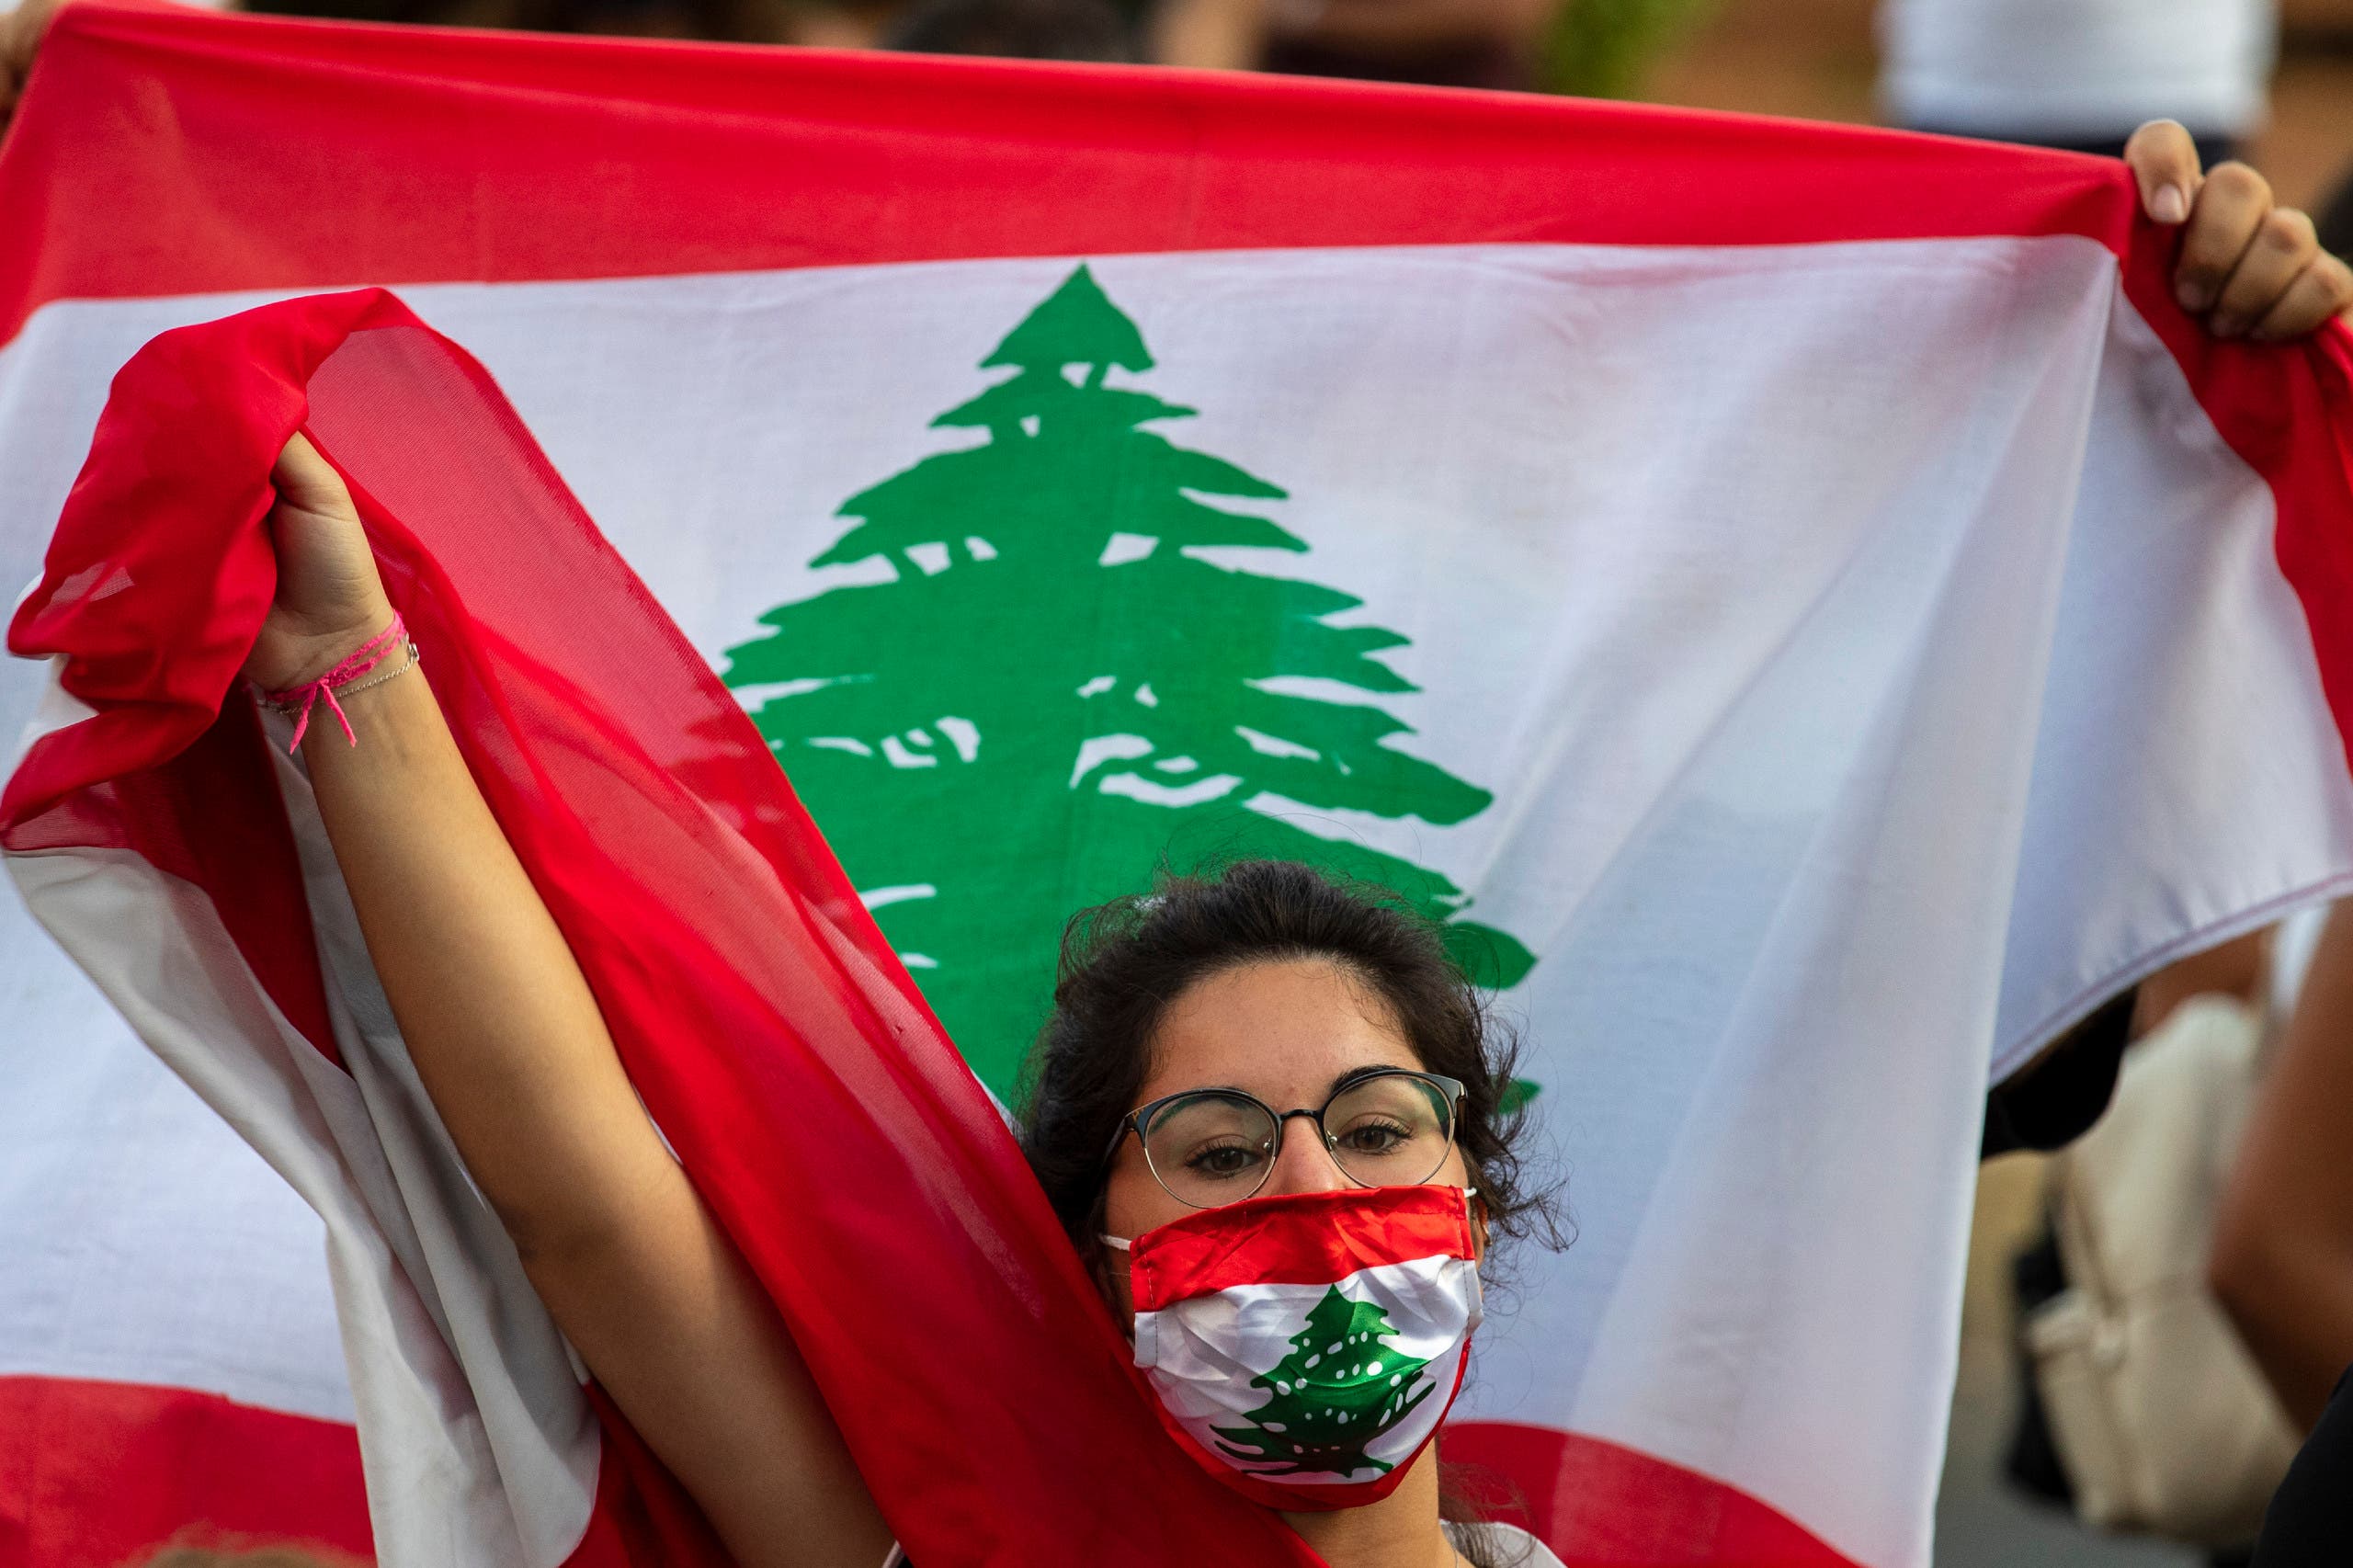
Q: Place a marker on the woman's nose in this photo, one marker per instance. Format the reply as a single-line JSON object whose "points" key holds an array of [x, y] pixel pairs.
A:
{"points": [[1304, 1164]]}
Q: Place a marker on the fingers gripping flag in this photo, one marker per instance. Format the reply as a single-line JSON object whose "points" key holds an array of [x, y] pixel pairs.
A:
{"points": [[1800, 605]]}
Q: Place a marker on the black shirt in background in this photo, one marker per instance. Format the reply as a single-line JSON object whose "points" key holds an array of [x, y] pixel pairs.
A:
{"points": [[2309, 1522], [2053, 1100]]}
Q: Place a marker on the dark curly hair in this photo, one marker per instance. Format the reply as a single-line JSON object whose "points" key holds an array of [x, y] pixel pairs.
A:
{"points": [[1123, 964]]}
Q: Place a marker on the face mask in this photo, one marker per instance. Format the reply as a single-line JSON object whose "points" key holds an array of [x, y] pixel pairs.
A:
{"points": [[1304, 1347]]}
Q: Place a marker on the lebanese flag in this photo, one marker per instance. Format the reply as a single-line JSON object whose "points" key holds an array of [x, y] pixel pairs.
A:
{"points": [[1800, 602]]}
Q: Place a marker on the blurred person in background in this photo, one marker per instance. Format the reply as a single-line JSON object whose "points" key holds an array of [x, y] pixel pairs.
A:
{"points": [[2282, 1259], [723, 21], [1025, 29], [2057, 1097], [1016, 29], [2079, 75], [1459, 43], [2140, 1411]]}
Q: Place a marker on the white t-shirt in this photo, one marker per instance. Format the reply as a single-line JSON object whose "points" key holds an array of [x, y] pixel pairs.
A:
{"points": [[1521, 1549], [2078, 70]]}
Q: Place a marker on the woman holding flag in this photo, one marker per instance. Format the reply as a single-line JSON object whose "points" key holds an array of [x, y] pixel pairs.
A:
{"points": [[1193, 1030]]}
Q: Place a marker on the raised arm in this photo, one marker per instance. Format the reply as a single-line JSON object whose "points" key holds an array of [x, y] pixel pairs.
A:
{"points": [[508, 1041]]}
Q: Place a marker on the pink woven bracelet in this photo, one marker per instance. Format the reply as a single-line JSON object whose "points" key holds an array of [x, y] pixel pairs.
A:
{"points": [[300, 699]]}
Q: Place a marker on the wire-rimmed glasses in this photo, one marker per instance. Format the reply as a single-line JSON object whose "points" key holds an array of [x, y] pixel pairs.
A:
{"points": [[1391, 1127]]}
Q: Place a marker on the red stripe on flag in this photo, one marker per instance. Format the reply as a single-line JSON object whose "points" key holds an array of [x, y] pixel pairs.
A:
{"points": [[93, 1473], [513, 157], [1600, 1505]]}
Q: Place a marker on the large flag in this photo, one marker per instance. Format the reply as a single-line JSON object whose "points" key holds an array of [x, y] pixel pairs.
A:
{"points": [[1800, 603]]}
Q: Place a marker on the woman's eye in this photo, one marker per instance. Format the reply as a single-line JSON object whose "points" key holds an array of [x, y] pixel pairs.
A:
{"points": [[1223, 1160], [1373, 1138]]}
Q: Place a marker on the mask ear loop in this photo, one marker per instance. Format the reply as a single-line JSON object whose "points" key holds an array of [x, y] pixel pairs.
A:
{"points": [[1104, 1271]]}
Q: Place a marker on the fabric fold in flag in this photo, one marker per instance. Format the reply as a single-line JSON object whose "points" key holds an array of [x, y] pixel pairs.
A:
{"points": [[773, 1035]]}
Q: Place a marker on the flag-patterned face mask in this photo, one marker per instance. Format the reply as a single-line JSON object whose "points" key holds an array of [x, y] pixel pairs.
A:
{"points": [[1304, 1347]]}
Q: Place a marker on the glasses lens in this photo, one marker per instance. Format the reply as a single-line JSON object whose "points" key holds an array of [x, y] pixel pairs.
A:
{"points": [[1211, 1148], [1390, 1131]]}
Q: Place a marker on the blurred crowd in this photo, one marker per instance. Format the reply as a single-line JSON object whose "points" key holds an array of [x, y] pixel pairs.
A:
{"points": [[1497, 43], [2077, 74]]}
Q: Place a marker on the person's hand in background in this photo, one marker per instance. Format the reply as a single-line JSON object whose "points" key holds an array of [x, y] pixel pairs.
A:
{"points": [[2250, 268]]}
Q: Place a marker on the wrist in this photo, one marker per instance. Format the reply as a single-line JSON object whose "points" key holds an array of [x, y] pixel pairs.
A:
{"points": [[299, 655], [357, 666]]}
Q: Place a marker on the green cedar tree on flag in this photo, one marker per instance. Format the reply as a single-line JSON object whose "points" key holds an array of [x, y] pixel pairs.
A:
{"points": [[1057, 691]]}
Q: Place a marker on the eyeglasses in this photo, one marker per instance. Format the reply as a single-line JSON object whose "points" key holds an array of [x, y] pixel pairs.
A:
{"points": [[1389, 1128]]}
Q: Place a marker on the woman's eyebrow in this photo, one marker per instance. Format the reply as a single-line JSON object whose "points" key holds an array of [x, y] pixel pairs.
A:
{"points": [[1355, 1073], [1200, 1089]]}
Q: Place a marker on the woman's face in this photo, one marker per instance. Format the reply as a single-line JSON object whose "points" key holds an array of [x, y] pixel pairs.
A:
{"points": [[1286, 1031]]}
